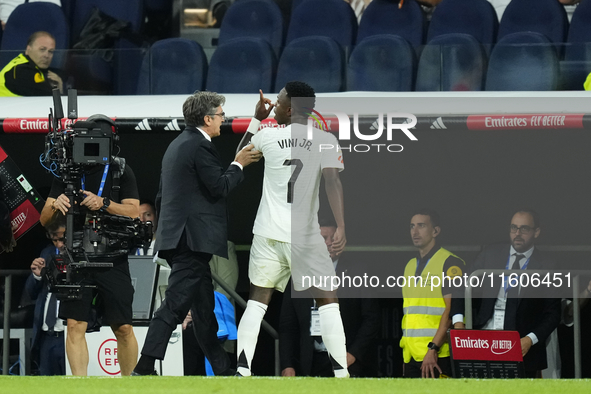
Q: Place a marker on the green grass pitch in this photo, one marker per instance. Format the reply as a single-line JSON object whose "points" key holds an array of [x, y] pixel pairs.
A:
{"points": [[257, 385]]}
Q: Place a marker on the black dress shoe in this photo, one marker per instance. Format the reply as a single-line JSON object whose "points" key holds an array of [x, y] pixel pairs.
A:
{"points": [[134, 373]]}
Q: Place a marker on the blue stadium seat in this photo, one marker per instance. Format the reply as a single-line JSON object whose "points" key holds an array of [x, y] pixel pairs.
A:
{"points": [[315, 60], [158, 5], [579, 30], [451, 62], [384, 17], [68, 8], [328, 18], [173, 66], [242, 65], [28, 18], [523, 61], [475, 17], [546, 17], [383, 62], [577, 58], [253, 18]]}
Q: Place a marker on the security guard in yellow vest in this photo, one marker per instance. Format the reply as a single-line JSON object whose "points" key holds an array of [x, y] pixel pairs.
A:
{"points": [[426, 312], [28, 74]]}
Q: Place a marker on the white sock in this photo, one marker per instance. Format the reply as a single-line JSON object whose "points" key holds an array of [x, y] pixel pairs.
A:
{"points": [[248, 334], [333, 336]]}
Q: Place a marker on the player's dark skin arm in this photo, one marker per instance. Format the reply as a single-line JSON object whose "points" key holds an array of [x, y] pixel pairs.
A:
{"points": [[334, 191], [261, 112]]}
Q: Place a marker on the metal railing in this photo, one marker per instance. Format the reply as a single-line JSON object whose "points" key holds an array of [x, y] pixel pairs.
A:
{"points": [[7, 308]]}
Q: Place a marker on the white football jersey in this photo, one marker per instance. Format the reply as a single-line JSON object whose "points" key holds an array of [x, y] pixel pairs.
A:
{"points": [[288, 211]]}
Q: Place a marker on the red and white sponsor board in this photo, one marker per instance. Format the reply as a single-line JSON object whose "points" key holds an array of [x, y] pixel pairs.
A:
{"points": [[107, 357], [32, 125], [24, 217], [524, 121], [485, 345], [102, 352]]}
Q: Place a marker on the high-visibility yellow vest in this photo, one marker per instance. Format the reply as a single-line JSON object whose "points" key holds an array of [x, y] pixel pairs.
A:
{"points": [[587, 84], [422, 308], [20, 59]]}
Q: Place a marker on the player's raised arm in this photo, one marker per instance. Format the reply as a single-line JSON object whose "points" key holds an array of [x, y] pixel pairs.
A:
{"points": [[261, 112]]}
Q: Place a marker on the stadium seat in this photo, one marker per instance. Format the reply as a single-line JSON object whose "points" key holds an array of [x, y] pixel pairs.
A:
{"points": [[28, 18], [253, 18], [383, 62], [68, 8], [523, 61], [546, 17], [316, 60], [328, 18], [577, 58], [384, 17], [451, 62], [129, 10], [475, 17], [242, 65], [173, 66], [158, 5], [113, 71]]}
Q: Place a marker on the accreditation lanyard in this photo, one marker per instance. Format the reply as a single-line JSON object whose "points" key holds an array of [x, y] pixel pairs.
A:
{"points": [[102, 186], [506, 284], [315, 321]]}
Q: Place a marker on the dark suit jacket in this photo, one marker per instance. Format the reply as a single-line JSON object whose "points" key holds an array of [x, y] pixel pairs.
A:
{"points": [[296, 347], [37, 290], [538, 315], [192, 195]]}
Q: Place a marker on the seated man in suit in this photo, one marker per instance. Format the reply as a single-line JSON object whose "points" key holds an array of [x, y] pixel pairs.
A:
{"points": [[507, 308], [48, 330], [302, 352]]}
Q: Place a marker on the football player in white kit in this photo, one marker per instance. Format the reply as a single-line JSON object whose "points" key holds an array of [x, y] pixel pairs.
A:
{"points": [[287, 239]]}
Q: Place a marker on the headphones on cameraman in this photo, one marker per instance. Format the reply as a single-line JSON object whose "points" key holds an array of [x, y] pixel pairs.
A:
{"points": [[96, 118]]}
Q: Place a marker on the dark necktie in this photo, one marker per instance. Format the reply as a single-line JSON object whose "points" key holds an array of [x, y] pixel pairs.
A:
{"points": [[50, 318], [518, 258], [512, 300]]}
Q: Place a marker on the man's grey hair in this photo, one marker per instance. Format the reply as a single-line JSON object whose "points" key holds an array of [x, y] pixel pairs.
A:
{"points": [[200, 104]]}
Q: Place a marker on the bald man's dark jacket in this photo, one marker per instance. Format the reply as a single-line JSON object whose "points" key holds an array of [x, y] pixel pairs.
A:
{"points": [[524, 312]]}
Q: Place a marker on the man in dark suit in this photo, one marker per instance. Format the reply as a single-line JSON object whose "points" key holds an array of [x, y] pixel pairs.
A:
{"points": [[513, 308], [192, 227], [48, 330], [304, 354]]}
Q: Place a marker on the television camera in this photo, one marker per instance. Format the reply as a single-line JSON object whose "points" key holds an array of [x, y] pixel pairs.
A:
{"points": [[92, 242]]}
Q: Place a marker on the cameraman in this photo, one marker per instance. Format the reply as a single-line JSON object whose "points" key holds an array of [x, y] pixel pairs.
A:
{"points": [[114, 286]]}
